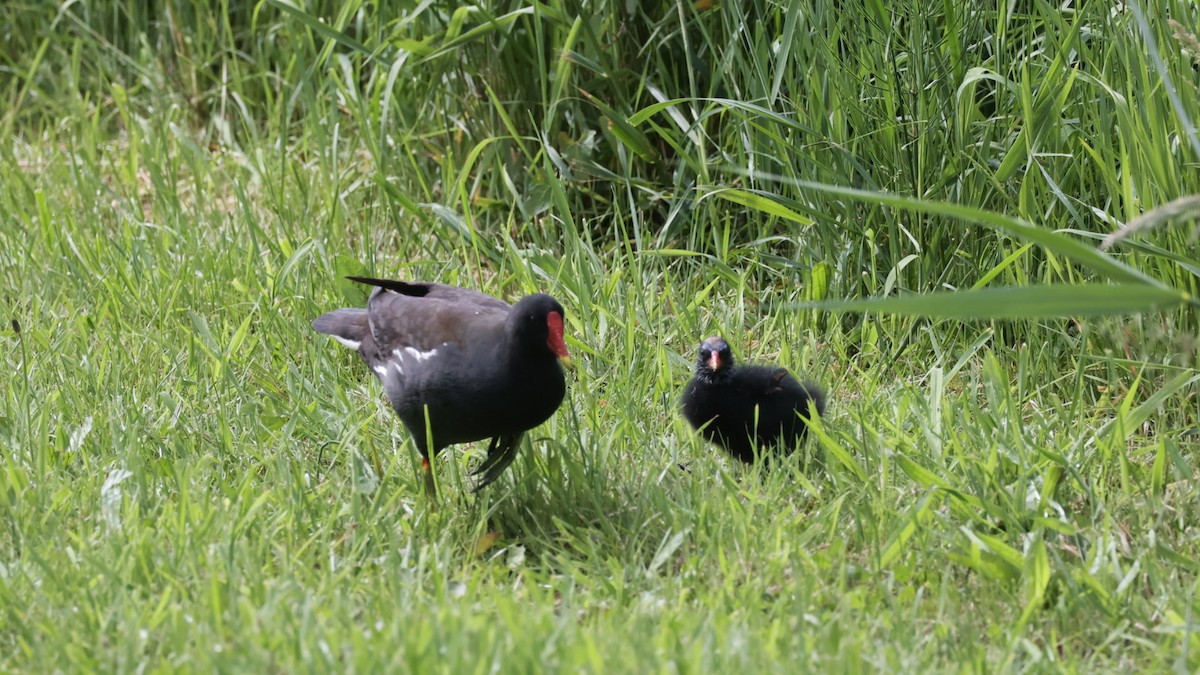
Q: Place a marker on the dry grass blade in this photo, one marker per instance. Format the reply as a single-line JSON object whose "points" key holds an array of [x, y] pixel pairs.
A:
{"points": [[1187, 206]]}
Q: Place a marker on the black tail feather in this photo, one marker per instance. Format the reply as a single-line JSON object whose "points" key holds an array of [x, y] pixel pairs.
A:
{"points": [[817, 396], [401, 287]]}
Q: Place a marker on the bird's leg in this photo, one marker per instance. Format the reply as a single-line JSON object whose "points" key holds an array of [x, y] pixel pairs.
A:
{"points": [[430, 485], [375, 461], [501, 452], [426, 469]]}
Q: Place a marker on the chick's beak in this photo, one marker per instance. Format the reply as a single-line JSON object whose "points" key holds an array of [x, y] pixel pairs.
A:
{"points": [[714, 361]]}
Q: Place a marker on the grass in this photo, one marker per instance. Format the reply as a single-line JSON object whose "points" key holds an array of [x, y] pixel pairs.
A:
{"points": [[193, 480]]}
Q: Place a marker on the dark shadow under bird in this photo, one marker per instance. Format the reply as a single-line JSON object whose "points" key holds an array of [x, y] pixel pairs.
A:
{"points": [[458, 365], [741, 408]]}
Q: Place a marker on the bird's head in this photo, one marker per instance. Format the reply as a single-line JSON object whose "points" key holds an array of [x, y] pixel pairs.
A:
{"points": [[715, 359], [538, 325]]}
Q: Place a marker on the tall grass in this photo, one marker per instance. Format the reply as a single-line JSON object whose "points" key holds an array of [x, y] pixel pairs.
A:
{"points": [[192, 480]]}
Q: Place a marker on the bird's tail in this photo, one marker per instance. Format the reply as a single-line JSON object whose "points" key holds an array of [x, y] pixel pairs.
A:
{"points": [[347, 326], [817, 396]]}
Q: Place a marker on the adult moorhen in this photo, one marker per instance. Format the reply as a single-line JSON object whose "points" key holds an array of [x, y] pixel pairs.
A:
{"points": [[748, 406], [474, 365]]}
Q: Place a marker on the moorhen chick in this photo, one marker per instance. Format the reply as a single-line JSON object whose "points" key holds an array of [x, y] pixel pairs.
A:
{"points": [[478, 367], [744, 407]]}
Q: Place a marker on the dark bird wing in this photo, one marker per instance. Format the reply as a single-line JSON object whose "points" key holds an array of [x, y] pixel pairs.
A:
{"points": [[781, 385], [419, 315], [425, 316], [776, 383]]}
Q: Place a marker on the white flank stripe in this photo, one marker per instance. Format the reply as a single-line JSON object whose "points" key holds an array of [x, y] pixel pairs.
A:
{"points": [[420, 355], [352, 344], [384, 371]]}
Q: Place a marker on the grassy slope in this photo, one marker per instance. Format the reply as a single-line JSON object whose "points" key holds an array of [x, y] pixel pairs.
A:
{"points": [[191, 478]]}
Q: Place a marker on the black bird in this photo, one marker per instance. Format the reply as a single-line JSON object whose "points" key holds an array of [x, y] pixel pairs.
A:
{"points": [[476, 366], [749, 406]]}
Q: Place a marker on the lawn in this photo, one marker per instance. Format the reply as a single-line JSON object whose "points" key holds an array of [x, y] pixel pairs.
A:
{"points": [[191, 479]]}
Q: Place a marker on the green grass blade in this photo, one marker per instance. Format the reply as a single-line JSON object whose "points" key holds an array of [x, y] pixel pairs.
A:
{"points": [[1097, 261], [760, 201], [1031, 302]]}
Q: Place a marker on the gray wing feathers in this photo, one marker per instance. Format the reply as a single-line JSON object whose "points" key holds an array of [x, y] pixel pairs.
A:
{"points": [[464, 296], [425, 323], [420, 316]]}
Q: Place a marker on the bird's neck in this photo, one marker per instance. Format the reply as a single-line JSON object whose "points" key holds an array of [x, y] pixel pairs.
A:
{"points": [[710, 377]]}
